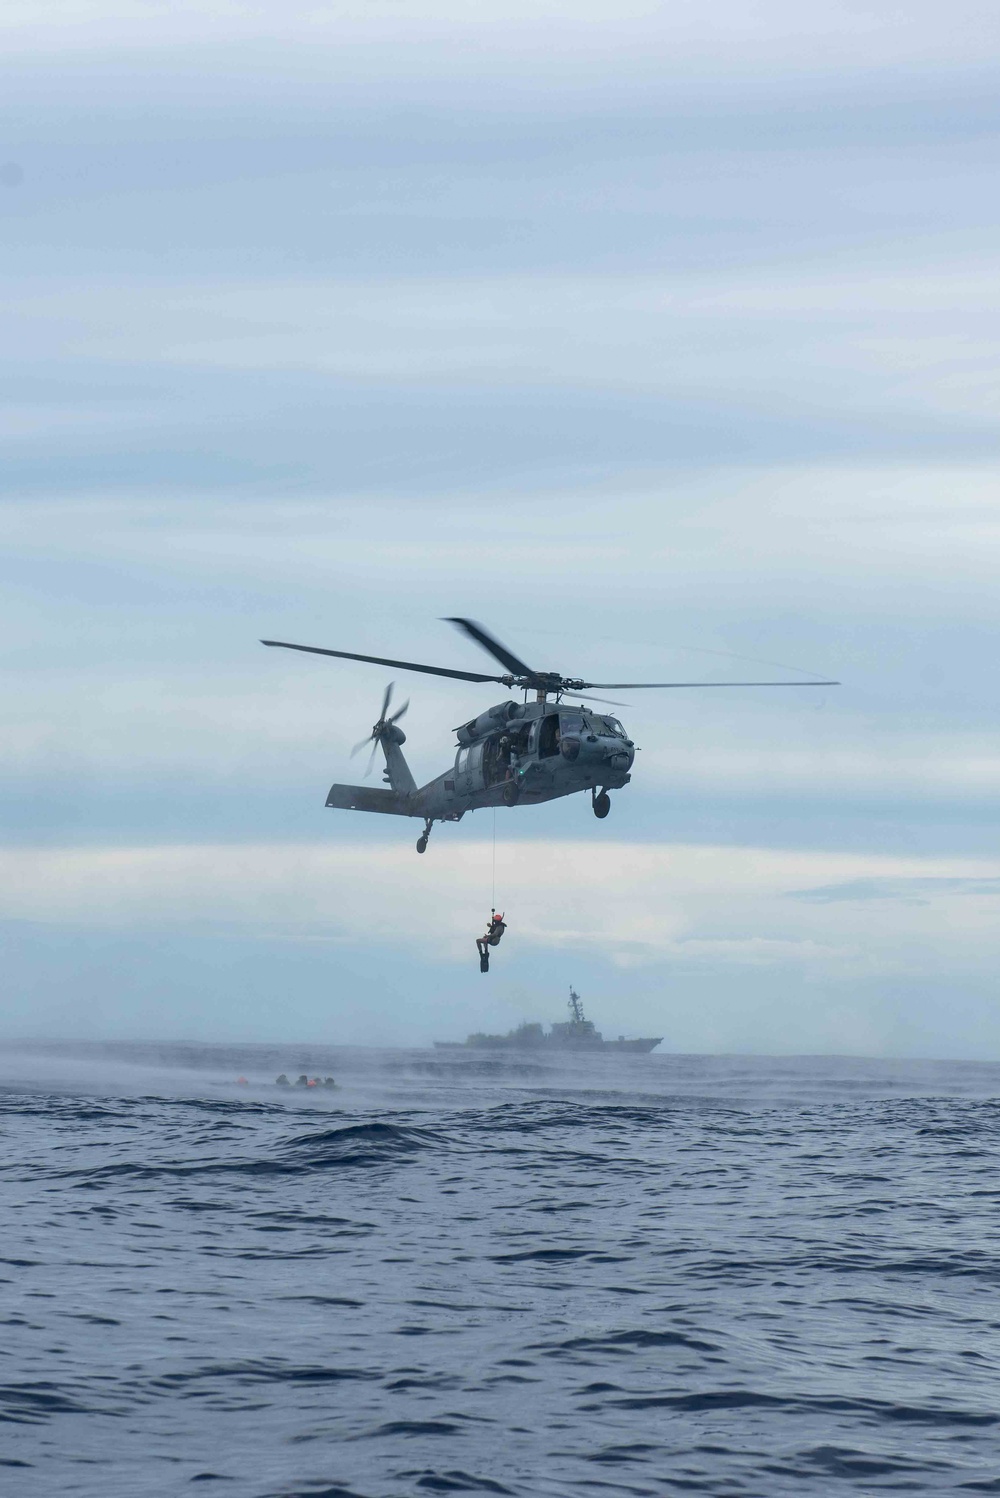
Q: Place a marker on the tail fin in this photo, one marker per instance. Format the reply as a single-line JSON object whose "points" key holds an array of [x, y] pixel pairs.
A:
{"points": [[397, 771], [387, 733]]}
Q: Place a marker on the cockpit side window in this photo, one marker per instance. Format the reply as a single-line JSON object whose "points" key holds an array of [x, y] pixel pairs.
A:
{"points": [[571, 722], [548, 736]]}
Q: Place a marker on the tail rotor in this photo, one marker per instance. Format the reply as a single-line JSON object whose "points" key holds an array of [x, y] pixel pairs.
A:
{"points": [[383, 727]]}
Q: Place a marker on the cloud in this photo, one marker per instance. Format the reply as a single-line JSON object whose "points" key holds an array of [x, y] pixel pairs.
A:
{"points": [[682, 370], [918, 891], [550, 38], [693, 906], [132, 629], [638, 332]]}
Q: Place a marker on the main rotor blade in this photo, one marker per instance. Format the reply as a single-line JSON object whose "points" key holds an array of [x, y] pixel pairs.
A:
{"points": [[486, 640], [610, 700], [381, 660], [632, 686]]}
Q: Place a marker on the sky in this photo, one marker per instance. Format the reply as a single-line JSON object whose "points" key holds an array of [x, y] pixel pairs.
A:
{"points": [[662, 339]]}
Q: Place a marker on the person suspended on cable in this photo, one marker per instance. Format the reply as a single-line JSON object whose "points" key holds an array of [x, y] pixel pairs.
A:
{"points": [[494, 930]]}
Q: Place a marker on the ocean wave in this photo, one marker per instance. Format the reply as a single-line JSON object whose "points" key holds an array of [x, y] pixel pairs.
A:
{"points": [[365, 1145], [498, 1292]]}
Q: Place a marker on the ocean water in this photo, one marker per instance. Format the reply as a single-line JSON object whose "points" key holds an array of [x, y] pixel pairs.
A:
{"points": [[461, 1274]]}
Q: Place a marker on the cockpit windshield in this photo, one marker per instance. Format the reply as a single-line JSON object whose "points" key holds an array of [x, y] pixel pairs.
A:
{"points": [[589, 722]]}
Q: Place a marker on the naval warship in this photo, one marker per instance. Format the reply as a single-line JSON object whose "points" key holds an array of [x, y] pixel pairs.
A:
{"points": [[575, 1034]]}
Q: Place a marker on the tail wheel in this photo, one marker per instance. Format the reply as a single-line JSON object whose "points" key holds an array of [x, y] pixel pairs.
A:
{"points": [[602, 805], [421, 845]]}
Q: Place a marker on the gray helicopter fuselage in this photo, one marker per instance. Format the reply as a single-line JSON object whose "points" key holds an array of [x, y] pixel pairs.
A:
{"points": [[511, 754], [516, 751]]}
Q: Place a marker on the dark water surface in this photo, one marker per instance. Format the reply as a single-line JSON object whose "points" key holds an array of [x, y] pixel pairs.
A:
{"points": [[646, 1276]]}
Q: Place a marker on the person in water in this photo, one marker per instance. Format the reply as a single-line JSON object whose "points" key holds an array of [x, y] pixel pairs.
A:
{"points": [[496, 928]]}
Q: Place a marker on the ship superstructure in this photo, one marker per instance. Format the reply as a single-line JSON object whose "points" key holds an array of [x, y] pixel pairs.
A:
{"points": [[575, 1034]]}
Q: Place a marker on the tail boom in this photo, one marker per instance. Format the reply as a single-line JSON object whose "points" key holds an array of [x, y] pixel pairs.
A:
{"points": [[369, 798]]}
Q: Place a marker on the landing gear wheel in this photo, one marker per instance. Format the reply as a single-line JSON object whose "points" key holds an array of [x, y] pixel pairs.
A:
{"points": [[511, 793], [602, 805], [421, 845], [484, 964], [422, 839]]}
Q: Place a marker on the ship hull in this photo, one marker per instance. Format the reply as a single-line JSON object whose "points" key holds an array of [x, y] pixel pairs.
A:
{"points": [[578, 1036]]}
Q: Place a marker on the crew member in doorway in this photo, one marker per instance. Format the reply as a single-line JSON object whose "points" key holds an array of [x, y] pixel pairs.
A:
{"points": [[496, 928]]}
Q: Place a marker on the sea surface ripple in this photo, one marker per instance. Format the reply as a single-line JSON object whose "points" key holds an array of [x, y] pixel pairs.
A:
{"points": [[462, 1274]]}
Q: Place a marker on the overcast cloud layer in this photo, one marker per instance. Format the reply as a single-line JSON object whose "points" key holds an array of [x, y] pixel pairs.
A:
{"points": [[663, 339]]}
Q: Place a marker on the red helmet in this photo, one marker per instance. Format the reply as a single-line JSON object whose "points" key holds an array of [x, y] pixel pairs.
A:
{"points": [[498, 916]]}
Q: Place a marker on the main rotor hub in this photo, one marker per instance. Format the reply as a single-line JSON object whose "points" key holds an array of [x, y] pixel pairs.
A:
{"points": [[544, 684]]}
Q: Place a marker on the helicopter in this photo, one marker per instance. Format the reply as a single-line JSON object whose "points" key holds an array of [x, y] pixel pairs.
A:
{"points": [[516, 753]]}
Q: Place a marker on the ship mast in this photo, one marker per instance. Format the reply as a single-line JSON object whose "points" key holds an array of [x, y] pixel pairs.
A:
{"points": [[575, 1007]]}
